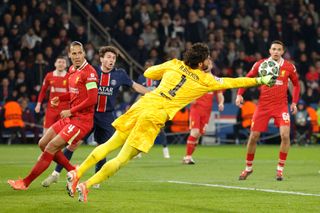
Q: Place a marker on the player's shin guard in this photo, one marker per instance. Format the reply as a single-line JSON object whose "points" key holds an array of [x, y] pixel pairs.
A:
{"points": [[68, 155], [282, 160], [249, 161], [101, 151], [42, 164], [191, 145], [63, 161]]}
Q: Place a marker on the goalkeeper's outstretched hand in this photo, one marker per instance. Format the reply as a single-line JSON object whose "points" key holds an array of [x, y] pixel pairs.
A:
{"points": [[268, 80]]}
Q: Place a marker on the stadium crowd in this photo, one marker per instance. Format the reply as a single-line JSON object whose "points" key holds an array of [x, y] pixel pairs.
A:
{"points": [[238, 32]]}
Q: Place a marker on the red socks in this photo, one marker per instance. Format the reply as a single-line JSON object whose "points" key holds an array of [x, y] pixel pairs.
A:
{"points": [[63, 161], [249, 161], [282, 160], [42, 164], [191, 145]]}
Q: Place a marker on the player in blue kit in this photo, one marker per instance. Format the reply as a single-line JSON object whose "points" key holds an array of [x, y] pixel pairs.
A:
{"points": [[110, 80]]}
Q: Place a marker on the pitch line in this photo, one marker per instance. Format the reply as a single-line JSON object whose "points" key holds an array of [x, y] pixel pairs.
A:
{"points": [[244, 188]]}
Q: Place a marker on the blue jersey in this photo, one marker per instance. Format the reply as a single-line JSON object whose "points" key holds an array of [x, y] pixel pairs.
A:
{"points": [[148, 83], [108, 88]]}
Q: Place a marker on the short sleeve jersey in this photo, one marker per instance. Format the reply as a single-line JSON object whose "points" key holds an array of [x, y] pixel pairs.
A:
{"points": [[108, 88]]}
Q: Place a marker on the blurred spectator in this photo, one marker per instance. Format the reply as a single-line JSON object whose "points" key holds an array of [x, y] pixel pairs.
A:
{"points": [[312, 78], [5, 90], [140, 54], [150, 37], [196, 31], [30, 39], [29, 120], [302, 128], [311, 96]]}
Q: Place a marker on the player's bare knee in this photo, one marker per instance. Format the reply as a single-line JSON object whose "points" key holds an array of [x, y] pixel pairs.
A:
{"points": [[42, 144], [254, 137], [285, 138], [195, 133]]}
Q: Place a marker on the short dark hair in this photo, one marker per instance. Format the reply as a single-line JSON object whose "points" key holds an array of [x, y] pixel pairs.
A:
{"points": [[278, 42], [76, 43], [196, 54], [104, 49], [61, 57]]}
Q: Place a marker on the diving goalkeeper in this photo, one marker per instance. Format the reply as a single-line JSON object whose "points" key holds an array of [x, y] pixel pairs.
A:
{"points": [[136, 130]]}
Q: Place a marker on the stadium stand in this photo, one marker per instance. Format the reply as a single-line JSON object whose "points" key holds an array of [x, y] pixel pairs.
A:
{"points": [[238, 32]]}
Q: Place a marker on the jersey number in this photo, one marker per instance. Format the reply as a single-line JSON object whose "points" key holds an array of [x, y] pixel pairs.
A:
{"points": [[173, 91]]}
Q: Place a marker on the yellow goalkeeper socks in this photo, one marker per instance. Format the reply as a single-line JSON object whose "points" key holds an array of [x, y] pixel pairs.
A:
{"points": [[127, 152], [101, 151]]}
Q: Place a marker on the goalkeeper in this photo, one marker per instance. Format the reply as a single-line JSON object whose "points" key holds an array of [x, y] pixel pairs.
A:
{"points": [[273, 103], [136, 130]]}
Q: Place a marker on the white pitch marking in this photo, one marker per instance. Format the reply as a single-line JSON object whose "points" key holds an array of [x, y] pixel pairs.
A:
{"points": [[244, 188]]}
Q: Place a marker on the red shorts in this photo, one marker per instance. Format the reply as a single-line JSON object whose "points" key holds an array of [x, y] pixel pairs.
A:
{"points": [[51, 116], [262, 116], [72, 130], [199, 120]]}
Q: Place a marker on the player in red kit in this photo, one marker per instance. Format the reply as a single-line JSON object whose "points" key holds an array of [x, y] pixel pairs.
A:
{"points": [[273, 103], [200, 112], [57, 82], [75, 122]]}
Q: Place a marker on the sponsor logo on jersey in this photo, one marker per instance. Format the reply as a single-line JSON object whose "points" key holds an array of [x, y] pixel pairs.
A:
{"points": [[105, 90], [73, 90], [59, 89], [279, 82]]}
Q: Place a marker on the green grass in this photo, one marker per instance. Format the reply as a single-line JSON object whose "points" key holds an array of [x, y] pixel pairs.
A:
{"points": [[142, 185]]}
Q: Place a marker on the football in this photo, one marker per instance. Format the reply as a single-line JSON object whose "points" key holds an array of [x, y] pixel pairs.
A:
{"points": [[269, 67]]}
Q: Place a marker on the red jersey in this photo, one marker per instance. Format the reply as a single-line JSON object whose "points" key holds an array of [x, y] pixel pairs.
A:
{"points": [[204, 103], [58, 84], [78, 78], [276, 96]]}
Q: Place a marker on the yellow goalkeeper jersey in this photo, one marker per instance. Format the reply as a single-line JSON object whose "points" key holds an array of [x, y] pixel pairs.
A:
{"points": [[180, 85]]}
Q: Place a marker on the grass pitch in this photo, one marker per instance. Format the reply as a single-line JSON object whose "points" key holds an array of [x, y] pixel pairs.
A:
{"points": [[154, 184]]}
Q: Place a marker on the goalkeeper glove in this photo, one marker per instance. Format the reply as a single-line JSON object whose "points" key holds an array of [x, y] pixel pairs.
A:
{"points": [[268, 80]]}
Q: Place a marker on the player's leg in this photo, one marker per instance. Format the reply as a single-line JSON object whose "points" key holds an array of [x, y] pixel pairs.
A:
{"points": [[162, 137], [55, 175], [284, 149], [109, 169], [193, 137], [101, 135], [192, 142], [102, 151], [260, 122]]}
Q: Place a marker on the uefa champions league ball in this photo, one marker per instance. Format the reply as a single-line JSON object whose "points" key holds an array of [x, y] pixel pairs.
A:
{"points": [[269, 67]]}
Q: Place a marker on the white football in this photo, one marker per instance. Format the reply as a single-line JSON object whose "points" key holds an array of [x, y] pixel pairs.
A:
{"points": [[269, 67]]}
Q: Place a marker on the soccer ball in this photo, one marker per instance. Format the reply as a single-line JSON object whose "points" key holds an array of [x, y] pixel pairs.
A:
{"points": [[269, 67]]}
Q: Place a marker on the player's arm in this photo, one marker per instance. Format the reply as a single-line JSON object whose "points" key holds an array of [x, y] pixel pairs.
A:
{"points": [[241, 82], [252, 73], [156, 72], [220, 101], [139, 88], [92, 97], [42, 94], [296, 90]]}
